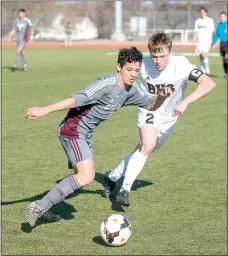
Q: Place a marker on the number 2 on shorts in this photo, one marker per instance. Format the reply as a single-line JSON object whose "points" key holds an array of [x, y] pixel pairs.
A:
{"points": [[150, 119]]}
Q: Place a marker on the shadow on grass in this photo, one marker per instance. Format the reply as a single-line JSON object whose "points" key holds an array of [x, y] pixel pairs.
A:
{"points": [[65, 210], [10, 68], [99, 240], [98, 177]]}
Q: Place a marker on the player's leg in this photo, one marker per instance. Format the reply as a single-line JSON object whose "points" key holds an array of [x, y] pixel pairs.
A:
{"points": [[148, 139], [205, 48], [225, 64], [24, 60], [80, 156], [152, 139], [199, 52], [18, 55], [224, 54], [111, 177], [205, 61], [66, 41], [70, 40]]}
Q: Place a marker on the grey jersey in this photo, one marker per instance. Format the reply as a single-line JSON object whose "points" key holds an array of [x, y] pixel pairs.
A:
{"points": [[22, 28], [97, 103]]}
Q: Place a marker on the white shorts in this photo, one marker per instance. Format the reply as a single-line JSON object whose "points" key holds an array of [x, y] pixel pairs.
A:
{"points": [[164, 122], [203, 47]]}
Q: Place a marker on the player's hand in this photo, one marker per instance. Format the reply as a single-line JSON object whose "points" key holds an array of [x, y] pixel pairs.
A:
{"points": [[34, 113], [213, 47], [179, 109], [9, 39], [194, 42], [165, 92]]}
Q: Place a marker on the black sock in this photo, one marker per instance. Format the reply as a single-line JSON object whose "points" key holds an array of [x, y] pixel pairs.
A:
{"points": [[225, 67]]}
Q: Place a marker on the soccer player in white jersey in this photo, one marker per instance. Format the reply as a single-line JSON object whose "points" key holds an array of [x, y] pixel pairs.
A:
{"points": [[204, 29], [161, 69]]}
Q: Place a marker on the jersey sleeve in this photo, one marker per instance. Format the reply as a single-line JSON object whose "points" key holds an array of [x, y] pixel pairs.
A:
{"points": [[185, 67], [91, 94], [138, 98]]}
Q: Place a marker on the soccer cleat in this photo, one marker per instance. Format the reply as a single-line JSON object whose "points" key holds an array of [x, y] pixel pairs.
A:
{"points": [[50, 216], [122, 198], [109, 186], [33, 213], [25, 69], [13, 69]]}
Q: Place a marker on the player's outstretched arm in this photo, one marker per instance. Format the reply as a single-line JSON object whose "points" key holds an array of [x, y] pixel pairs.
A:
{"points": [[38, 112], [205, 85], [164, 93], [32, 35], [12, 32]]}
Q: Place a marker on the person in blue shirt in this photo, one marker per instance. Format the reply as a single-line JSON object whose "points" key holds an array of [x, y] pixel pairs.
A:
{"points": [[221, 33]]}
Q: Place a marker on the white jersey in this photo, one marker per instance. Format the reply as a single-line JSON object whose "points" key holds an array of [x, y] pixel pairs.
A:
{"points": [[205, 28], [175, 75]]}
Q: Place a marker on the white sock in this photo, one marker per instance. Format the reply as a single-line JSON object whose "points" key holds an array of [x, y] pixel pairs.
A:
{"points": [[202, 66], [134, 167], [206, 65], [120, 169]]}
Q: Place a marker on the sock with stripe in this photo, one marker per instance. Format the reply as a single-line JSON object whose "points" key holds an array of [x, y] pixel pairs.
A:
{"points": [[63, 189], [17, 58], [24, 60]]}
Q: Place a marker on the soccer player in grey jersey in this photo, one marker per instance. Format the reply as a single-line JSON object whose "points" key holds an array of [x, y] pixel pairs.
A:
{"points": [[24, 32], [88, 108]]}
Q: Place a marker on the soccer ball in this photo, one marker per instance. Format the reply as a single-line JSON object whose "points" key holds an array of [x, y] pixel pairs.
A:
{"points": [[115, 230]]}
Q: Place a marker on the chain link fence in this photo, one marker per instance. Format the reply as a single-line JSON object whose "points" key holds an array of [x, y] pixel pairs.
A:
{"points": [[95, 19]]}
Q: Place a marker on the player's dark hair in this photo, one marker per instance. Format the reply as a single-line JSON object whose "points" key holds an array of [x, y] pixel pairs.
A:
{"points": [[158, 41], [21, 10], [129, 55], [203, 8], [221, 13]]}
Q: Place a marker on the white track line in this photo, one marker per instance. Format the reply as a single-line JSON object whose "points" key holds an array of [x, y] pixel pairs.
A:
{"points": [[175, 53]]}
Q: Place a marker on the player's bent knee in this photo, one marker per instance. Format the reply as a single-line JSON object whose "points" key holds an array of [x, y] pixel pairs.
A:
{"points": [[147, 148]]}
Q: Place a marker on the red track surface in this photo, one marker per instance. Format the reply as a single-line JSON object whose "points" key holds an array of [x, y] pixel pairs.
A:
{"points": [[90, 45]]}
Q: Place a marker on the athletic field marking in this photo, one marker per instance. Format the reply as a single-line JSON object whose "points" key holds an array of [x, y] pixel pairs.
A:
{"points": [[176, 53], [49, 79]]}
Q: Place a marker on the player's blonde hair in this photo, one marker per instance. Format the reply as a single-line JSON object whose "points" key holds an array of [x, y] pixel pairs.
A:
{"points": [[158, 41]]}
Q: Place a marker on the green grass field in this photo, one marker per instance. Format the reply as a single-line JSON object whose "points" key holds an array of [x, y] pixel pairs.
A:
{"points": [[178, 206]]}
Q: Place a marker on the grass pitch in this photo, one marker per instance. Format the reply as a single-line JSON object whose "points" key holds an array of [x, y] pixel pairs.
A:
{"points": [[179, 207]]}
